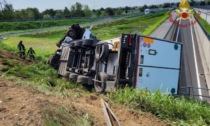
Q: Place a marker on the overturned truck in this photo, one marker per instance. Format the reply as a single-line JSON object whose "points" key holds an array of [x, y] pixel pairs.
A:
{"points": [[132, 60]]}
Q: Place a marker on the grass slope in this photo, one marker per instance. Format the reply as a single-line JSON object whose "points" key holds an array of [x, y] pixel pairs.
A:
{"points": [[178, 111], [141, 25], [16, 26], [203, 22], [44, 42]]}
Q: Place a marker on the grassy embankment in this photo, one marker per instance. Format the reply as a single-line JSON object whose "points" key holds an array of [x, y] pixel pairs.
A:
{"points": [[178, 111], [18, 26], [205, 24], [44, 42]]}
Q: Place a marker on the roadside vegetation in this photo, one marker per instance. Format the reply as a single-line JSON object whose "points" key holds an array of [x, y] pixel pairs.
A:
{"points": [[205, 24], [140, 25], [38, 74], [17, 26], [176, 111], [61, 115]]}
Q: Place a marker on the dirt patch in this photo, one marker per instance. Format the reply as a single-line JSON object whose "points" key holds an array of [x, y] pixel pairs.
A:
{"points": [[4, 55], [25, 106]]}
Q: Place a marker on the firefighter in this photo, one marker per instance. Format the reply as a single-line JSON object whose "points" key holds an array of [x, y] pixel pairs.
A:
{"points": [[21, 48], [31, 53]]}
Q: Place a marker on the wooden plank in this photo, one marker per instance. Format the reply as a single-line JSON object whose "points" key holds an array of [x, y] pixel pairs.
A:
{"points": [[110, 117]]}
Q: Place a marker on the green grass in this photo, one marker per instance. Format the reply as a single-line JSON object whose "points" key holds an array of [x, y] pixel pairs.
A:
{"points": [[178, 111], [42, 46], [53, 35], [141, 25], [138, 25], [44, 42], [157, 24], [38, 75], [16, 26], [205, 24], [65, 116]]}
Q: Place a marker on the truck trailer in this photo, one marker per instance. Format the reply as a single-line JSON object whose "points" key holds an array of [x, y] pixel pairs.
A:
{"points": [[132, 60]]}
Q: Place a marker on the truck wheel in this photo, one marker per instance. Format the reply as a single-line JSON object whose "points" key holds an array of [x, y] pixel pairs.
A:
{"points": [[101, 52], [73, 77], [100, 87], [84, 80], [72, 34], [89, 42], [78, 43], [71, 45]]}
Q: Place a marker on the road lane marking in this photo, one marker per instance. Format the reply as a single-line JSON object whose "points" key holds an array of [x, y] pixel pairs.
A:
{"points": [[177, 36], [196, 65]]}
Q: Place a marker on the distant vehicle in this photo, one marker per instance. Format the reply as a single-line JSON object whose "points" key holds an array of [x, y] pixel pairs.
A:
{"points": [[151, 11]]}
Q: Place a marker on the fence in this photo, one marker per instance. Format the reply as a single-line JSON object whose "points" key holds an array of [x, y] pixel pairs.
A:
{"points": [[190, 92], [78, 18], [205, 14]]}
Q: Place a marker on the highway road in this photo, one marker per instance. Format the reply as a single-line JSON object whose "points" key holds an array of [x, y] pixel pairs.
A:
{"points": [[192, 70], [191, 67], [162, 30]]}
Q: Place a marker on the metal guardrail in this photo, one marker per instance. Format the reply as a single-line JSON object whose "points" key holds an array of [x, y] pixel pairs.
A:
{"points": [[191, 93], [203, 28], [77, 18]]}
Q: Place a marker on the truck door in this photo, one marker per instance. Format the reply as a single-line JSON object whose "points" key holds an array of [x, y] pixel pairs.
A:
{"points": [[158, 65]]}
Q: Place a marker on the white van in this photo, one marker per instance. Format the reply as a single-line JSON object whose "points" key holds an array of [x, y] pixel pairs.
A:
{"points": [[147, 11]]}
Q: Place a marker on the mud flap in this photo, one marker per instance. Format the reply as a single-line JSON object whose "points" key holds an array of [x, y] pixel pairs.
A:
{"points": [[64, 61]]}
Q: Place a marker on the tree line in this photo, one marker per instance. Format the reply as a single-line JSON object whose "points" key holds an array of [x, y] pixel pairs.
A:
{"points": [[7, 11]]}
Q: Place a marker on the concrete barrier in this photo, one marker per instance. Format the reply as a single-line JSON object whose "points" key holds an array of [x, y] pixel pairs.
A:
{"points": [[204, 48]]}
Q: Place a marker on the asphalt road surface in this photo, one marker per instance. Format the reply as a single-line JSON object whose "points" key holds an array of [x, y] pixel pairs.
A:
{"points": [[191, 68], [162, 30]]}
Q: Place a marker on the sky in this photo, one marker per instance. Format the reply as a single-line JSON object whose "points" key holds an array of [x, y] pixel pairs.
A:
{"points": [[93, 4]]}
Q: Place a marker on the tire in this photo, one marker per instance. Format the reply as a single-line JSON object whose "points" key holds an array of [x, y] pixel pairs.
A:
{"points": [[78, 43], [101, 52], [72, 34], [67, 74], [73, 77], [100, 87], [72, 69], [88, 42], [55, 61], [86, 80], [72, 44]]}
